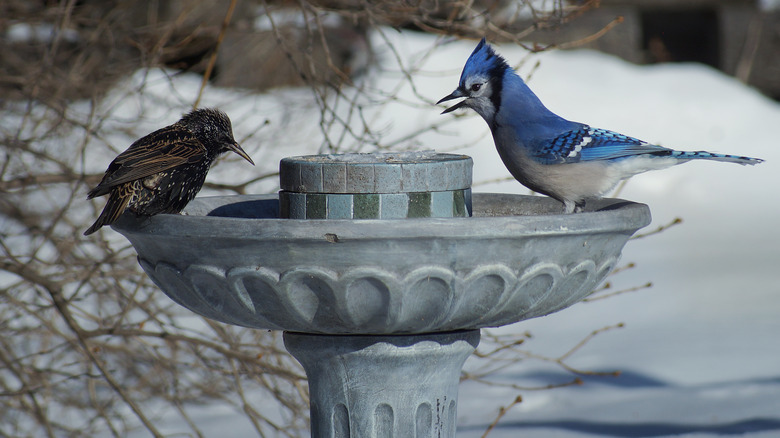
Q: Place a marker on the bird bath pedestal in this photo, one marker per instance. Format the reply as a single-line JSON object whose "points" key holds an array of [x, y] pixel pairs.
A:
{"points": [[381, 276]]}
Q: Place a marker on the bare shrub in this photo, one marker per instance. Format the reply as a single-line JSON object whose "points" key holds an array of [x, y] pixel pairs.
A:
{"points": [[88, 344]]}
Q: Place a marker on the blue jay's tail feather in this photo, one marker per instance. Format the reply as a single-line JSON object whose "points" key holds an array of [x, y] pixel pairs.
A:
{"points": [[702, 155]]}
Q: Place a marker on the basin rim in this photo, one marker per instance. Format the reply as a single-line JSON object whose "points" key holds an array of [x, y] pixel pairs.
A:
{"points": [[610, 215]]}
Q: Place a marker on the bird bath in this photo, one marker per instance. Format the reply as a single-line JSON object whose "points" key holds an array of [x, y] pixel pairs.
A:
{"points": [[381, 313]]}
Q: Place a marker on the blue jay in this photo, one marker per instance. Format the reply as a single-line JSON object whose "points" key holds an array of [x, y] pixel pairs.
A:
{"points": [[569, 161]]}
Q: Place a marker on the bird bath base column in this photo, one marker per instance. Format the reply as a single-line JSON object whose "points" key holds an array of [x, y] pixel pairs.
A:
{"points": [[383, 386]]}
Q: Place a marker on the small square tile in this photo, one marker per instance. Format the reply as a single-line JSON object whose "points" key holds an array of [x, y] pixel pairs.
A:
{"points": [[339, 206], [365, 206], [310, 179], [393, 205], [419, 204], [296, 204], [388, 178], [334, 178], [284, 205], [459, 203], [360, 178], [315, 206], [441, 204], [438, 176], [289, 176], [414, 177], [467, 196]]}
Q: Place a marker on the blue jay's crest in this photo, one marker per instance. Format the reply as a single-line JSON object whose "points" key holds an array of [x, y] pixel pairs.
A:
{"points": [[481, 82], [484, 61]]}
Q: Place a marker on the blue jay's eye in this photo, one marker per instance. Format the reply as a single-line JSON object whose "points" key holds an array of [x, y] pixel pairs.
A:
{"points": [[476, 87]]}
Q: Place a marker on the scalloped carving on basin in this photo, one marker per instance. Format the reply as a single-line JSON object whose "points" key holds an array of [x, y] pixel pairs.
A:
{"points": [[232, 260]]}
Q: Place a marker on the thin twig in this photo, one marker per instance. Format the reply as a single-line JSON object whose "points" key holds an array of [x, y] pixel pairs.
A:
{"points": [[661, 228], [501, 413], [591, 38], [601, 296], [213, 58]]}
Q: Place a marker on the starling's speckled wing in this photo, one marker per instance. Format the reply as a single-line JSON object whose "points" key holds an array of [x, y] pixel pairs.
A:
{"points": [[161, 150]]}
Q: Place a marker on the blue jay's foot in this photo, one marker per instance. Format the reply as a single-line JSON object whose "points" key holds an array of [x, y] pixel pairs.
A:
{"points": [[570, 206]]}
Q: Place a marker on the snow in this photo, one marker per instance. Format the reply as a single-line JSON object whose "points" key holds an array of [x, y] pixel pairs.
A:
{"points": [[41, 32], [769, 5], [700, 351]]}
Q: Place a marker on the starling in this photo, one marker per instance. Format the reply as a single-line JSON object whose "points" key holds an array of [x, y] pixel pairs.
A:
{"points": [[163, 171]]}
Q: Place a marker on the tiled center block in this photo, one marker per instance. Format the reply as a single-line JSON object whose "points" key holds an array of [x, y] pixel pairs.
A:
{"points": [[376, 173], [451, 203]]}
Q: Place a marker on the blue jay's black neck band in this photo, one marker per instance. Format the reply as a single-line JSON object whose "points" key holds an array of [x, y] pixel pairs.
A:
{"points": [[497, 85], [498, 69]]}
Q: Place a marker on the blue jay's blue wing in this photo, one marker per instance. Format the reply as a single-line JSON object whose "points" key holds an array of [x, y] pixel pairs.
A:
{"points": [[592, 144]]}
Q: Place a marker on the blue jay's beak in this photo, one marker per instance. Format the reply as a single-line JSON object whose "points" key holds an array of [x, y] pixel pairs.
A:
{"points": [[454, 95]]}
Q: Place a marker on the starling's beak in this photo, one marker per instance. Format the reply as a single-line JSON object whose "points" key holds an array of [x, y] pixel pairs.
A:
{"points": [[454, 95], [235, 147]]}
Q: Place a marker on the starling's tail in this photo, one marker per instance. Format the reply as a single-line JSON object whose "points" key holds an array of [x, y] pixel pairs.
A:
{"points": [[100, 190], [715, 157], [117, 202]]}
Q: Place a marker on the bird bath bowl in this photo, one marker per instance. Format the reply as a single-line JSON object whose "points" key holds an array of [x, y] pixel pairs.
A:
{"points": [[382, 313]]}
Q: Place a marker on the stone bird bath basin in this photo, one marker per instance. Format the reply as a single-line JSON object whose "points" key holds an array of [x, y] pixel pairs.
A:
{"points": [[382, 313]]}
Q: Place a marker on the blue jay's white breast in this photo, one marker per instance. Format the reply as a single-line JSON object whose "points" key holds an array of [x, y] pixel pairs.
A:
{"points": [[573, 181]]}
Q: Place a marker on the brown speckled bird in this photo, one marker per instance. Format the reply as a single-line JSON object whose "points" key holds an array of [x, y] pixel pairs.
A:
{"points": [[163, 171]]}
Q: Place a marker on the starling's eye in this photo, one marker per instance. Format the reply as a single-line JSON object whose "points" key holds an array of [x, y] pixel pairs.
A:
{"points": [[476, 87]]}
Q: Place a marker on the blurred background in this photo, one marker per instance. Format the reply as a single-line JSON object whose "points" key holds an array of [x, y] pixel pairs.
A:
{"points": [[89, 347]]}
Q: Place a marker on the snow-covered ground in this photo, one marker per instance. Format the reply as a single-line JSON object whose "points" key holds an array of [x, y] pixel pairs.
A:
{"points": [[700, 350]]}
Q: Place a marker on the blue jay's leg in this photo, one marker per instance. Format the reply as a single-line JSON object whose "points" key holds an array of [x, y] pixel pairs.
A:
{"points": [[570, 206]]}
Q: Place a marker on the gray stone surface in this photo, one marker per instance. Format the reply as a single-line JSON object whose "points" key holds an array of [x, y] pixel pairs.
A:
{"points": [[375, 186], [453, 203], [396, 386], [400, 172], [419, 288]]}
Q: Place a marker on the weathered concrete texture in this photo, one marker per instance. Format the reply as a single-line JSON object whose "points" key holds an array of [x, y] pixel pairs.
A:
{"points": [[232, 259], [383, 386]]}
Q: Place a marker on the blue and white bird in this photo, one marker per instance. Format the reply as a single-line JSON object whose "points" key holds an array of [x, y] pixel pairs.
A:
{"points": [[569, 161]]}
